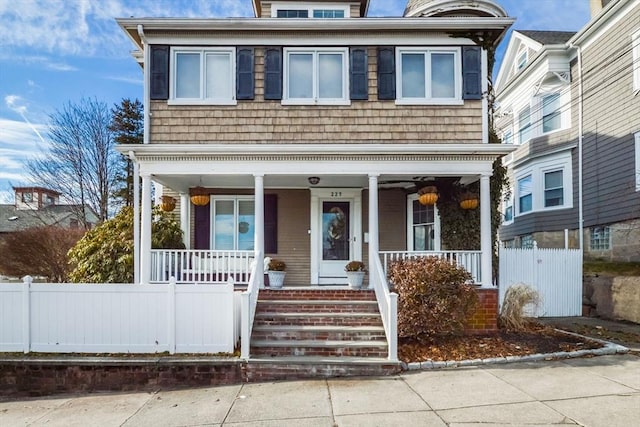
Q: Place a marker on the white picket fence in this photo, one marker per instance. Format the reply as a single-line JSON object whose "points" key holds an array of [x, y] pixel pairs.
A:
{"points": [[555, 273], [122, 318]]}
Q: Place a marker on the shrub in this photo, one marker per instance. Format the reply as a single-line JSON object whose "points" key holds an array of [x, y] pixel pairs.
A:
{"points": [[433, 297], [516, 300], [105, 253]]}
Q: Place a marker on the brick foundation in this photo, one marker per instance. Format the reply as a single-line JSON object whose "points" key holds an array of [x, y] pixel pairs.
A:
{"points": [[485, 319]]}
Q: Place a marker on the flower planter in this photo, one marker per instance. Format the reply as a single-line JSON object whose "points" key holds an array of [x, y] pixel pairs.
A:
{"points": [[276, 279], [355, 279]]}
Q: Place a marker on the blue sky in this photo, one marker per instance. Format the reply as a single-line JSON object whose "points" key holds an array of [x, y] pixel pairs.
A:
{"points": [[55, 51]]}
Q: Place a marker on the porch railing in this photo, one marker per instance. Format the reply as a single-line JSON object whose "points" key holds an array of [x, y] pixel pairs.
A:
{"points": [[249, 302], [469, 260], [201, 266], [388, 305]]}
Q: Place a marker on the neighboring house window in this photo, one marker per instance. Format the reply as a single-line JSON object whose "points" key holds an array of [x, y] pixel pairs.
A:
{"points": [[233, 223], [203, 76], [526, 241], [509, 243], [545, 184], [637, 161], [553, 189], [508, 208], [423, 233], [316, 76], [525, 194], [507, 137], [428, 76], [310, 10], [49, 200], [522, 60], [27, 197], [524, 125], [635, 40], [600, 238], [551, 113]]}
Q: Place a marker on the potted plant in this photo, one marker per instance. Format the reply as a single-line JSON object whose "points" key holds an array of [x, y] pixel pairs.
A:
{"points": [[276, 273], [355, 273]]}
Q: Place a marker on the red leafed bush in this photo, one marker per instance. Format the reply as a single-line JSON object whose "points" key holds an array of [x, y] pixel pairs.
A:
{"points": [[434, 297]]}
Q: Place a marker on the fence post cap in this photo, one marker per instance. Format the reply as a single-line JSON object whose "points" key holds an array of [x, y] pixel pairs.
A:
{"points": [[27, 279]]}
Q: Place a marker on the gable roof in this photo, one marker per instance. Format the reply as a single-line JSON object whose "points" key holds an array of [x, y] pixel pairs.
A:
{"points": [[13, 219], [548, 37]]}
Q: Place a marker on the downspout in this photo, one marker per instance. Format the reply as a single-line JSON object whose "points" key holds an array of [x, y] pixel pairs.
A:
{"points": [[146, 95], [580, 148]]}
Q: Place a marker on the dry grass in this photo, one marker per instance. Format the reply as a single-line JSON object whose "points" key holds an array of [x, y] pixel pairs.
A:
{"points": [[517, 298]]}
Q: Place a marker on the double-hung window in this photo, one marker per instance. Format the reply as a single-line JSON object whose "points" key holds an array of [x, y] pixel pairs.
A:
{"points": [[316, 76], [423, 233], [553, 188], [233, 223], [203, 76], [310, 10], [524, 125], [428, 76], [523, 59], [551, 113], [292, 13], [508, 207], [507, 137], [525, 194]]}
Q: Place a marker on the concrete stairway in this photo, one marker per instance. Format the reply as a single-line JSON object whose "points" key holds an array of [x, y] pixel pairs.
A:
{"points": [[300, 333]]}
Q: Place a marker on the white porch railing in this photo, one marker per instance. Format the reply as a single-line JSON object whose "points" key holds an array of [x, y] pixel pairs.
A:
{"points": [[248, 303], [469, 260], [201, 266], [388, 305]]}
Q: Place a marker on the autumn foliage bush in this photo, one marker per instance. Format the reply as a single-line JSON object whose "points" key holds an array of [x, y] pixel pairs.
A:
{"points": [[434, 297]]}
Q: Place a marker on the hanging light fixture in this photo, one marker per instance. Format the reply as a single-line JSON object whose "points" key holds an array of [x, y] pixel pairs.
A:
{"points": [[469, 200], [199, 195], [168, 203], [428, 195]]}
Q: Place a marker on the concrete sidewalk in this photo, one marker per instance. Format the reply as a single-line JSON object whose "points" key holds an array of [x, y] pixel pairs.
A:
{"points": [[600, 391]]}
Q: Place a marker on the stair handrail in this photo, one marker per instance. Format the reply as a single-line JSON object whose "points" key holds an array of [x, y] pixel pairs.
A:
{"points": [[388, 305], [249, 301]]}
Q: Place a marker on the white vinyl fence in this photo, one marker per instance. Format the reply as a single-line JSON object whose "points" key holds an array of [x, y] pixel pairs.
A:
{"points": [[555, 273], [110, 318]]}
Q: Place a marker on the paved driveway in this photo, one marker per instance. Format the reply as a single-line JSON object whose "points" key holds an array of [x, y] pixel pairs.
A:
{"points": [[600, 391]]}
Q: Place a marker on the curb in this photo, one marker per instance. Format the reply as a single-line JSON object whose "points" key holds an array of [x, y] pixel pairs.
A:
{"points": [[608, 349]]}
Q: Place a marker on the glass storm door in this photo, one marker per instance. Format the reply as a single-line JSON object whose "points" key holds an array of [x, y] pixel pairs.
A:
{"points": [[336, 238]]}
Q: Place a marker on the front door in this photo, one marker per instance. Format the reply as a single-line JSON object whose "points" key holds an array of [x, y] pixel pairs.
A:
{"points": [[336, 231]]}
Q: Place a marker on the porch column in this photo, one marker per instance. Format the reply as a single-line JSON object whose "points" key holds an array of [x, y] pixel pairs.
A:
{"points": [[373, 220], [486, 246], [145, 234], [185, 204], [259, 228], [136, 218]]}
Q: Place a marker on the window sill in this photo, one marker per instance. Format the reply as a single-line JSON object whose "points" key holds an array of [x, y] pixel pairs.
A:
{"points": [[421, 101], [543, 210], [314, 102], [230, 102]]}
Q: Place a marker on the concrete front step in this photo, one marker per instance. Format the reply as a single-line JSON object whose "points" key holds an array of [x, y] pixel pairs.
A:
{"points": [[289, 368], [317, 319], [318, 332], [307, 294], [332, 306], [335, 348]]}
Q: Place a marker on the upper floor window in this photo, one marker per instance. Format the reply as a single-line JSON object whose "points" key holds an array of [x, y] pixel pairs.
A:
{"points": [[27, 197], [635, 41], [203, 75], [507, 207], [523, 58], [315, 76], [309, 10], [428, 76], [525, 194], [524, 125], [551, 113], [507, 137]]}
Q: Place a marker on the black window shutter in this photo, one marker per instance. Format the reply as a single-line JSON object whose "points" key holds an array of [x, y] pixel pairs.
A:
{"points": [[386, 73], [244, 73], [273, 73], [159, 74], [358, 70], [202, 224], [471, 72], [270, 224]]}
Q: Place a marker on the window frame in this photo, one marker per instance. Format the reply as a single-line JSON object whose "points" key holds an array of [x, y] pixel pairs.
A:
{"points": [[601, 245], [508, 202], [315, 100], [528, 127], [427, 51], [410, 225], [545, 189], [507, 136], [202, 100], [518, 199], [310, 8], [520, 63], [557, 112], [212, 212]]}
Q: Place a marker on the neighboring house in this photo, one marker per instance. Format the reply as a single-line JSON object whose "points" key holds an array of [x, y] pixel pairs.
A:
{"points": [[302, 133], [571, 102], [38, 207]]}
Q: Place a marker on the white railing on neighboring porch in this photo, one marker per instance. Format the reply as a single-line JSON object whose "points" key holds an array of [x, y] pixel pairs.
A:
{"points": [[469, 260], [248, 303], [388, 305], [201, 266]]}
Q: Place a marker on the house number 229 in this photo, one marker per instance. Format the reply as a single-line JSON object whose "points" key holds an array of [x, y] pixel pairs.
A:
{"points": [[336, 194]]}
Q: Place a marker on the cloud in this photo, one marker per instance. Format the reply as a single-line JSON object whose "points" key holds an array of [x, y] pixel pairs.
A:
{"points": [[16, 104], [124, 79], [43, 61]]}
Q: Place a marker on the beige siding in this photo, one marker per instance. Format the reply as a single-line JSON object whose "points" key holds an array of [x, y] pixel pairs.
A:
{"points": [[355, 11], [266, 10], [260, 121]]}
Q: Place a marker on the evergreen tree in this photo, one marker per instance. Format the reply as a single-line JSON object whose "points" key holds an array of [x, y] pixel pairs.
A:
{"points": [[128, 126]]}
